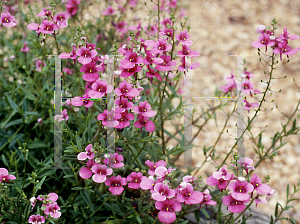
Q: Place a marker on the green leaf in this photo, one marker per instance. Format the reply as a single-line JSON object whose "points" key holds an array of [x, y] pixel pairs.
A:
{"points": [[39, 184], [15, 122], [77, 188], [36, 145], [12, 104], [86, 196], [16, 138], [28, 94], [205, 213], [5, 160], [276, 210], [287, 192]]}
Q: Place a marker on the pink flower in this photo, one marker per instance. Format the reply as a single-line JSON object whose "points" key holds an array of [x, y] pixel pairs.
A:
{"points": [[131, 59], [173, 4], [186, 51], [283, 48], [49, 199], [7, 20], [85, 172], [144, 109], [40, 121], [125, 119], [144, 122], [34, 26], [247, 75], [249, 105], [135, 179], [79, 101], [109, 11], [100, 173], [221, 183], [166, 32], [129, 72], [222, 173], [109, 118], [207, 199], [167, 21], [260, 188], [72, 6], [115, 184], [61, 19], [231, 84], [161, 172], [152, 73], [48, 27], [68, 71], [53, 210], [240, 190], [133, 3], [4, 177], [25, 48], [246, 162], [185, 66], [167, 209], [261, 29], [162, 191], [38, 65], [153, 166], [235, 206], [36, 219], [45, 12], [85, 55], [183, 38], [260, 200], [167, 65], [123, 104], [151, 59], [160, 46], [33, 201], [263, 40], [121, 27], [188, 196], [126, 90], [114, 160], [62, 117], [286, 36], [182, 11], [89, 153], [100, 88], [148, 184], [273, 191], [189, 179]]}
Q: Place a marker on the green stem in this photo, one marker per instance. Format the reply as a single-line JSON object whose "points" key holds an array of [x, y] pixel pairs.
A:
{"points": [[246, 208], [135, 157], [229, 218]]}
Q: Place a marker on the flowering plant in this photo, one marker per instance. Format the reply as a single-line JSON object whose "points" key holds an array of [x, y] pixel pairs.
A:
{"points": [[115, 163]]}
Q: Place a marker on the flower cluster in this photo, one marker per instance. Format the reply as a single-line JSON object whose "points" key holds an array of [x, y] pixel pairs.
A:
{"points": [[50, 23], [247, 87], [49, 207], [239, 186], [278, 42]]}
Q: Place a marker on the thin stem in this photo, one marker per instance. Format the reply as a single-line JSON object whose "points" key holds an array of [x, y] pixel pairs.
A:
{"points": [[135, 157], [246, 208], [229, 218]]}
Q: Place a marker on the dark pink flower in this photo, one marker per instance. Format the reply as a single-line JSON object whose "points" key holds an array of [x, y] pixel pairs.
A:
{"points": [[36, 219], [68, 71], [151, 59], [153, 166], [53, 210], [260, 188], [186, 51], [144, 109], [263, 40], [84, 100], [188, 196], [283, 48], [72, 6], [85, 172], [167, 65], [109, 118], [240, 190], [186, 66], [144, 122], [61, 19], [166, 32], [109, 11], [89, 153], [221, 183], [125, 119], [114, 160], [4, 177], [248, 105], [160, 46], [222, 173], [129, 72], [85, 55], [184, 37], [130, 60], [167, 21], [173, 4], [38, 65], [45, 12], [123, 104], [115, 184], [135, 179], [48, 27], [121, 27], [162, 191], [235, 206], [286, 36], [207, 199], [125, 89], [7, 20], [167, 209], [25, 48], [151, 73], [100, 88], [100, 173], [231, 84]]}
